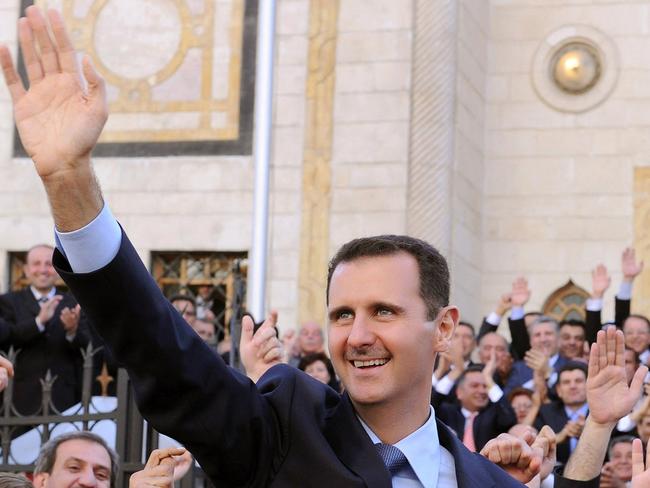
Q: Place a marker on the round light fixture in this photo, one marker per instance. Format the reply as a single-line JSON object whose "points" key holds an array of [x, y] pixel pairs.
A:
{"points": [[576, 67]]}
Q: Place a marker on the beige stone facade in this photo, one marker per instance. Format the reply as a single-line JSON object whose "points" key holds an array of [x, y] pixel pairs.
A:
{"points": [[391, 116]]}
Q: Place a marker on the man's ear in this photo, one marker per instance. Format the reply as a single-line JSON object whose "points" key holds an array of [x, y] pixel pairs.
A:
{"points": [[448, 318], [40, 480]]}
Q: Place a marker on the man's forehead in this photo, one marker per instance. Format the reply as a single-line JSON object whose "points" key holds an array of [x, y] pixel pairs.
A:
{"points": [[83, 449], [374, 265], [39, 253]]}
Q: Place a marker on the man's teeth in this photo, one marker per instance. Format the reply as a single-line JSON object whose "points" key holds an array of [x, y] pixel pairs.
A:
{"points": [[372, 362]]}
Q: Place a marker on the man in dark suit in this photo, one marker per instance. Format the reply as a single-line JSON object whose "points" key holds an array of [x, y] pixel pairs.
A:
{"points": [[567, 415], [388, 318], [45, 329], [475, 418]]}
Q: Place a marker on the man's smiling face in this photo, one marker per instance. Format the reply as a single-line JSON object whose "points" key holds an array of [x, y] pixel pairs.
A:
{"points": [[381, 343]]}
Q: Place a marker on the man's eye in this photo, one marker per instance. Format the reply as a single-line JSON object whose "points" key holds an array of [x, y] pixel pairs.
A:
{"points": [[101, 475], [345, 315], [384, 312]]}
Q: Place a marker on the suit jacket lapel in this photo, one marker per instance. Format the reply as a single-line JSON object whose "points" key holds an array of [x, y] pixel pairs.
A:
{"points": [[463, 460], [353, 447], [30, 301]]}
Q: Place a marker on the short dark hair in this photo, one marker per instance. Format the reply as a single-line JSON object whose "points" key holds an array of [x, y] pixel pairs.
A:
{"points": [[434, 272], [309, 359], [572, 366], [573, 323], [621, 439], [473, 368], [47, 455], [14, 480]]}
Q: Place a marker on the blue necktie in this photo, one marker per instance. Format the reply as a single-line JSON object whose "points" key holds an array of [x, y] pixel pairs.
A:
{"points": [[393, 458]]}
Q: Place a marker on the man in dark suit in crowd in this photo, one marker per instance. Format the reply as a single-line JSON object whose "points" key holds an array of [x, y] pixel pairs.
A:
{"points": [[47, 330], [475, 418], [388, 310], [567, 415]]}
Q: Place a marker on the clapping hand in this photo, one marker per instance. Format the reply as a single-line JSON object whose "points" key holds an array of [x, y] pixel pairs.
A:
{"points": [[261, 350]]}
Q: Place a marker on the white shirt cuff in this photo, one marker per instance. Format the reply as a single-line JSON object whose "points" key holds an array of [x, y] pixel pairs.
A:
{"points": [[445, 385], [93, 246], [39, 326], [626, 424], [517, 313], [594, 304], [434, 380], [494, 319], [624, 291], [495, 393]]}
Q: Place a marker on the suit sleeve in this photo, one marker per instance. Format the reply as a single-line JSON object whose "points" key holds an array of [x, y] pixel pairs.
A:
{"points": [[505, 415], [622, 311], [486, 327], [560, 481], [520, 339], [182, 388], [19, 331], [592, 325]]}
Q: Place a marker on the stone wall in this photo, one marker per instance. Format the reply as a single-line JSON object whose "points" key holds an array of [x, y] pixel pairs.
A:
{"points": [[558, 186]]}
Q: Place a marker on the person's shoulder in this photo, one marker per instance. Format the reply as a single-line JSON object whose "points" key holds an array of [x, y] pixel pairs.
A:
{"points": [[290, 383], [14, 296]]}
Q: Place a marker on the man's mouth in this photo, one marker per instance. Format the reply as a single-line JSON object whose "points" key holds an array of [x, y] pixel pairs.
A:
{"points": [[370, 363]]}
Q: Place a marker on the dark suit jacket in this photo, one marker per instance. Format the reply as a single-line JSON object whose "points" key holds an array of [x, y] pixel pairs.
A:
{"points": [[593, 322], [553, 415], [40, 351], [287, 431], [494, 419]]}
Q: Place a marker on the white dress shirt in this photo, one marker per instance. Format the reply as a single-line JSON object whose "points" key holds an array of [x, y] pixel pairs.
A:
{"points": [[431, 464]]}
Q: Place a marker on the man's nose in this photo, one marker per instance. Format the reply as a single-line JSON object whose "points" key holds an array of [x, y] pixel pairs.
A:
{"points": [[361, 333], [87, 478]]}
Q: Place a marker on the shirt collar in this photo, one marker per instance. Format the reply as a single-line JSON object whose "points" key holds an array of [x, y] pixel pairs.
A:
{"points": [[553, 359], [421, 448], [582, 410], [38, 295]]}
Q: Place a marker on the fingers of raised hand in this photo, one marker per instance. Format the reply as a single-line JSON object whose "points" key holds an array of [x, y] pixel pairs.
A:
{"points": [[67, 56], [49, 58], [14, 83], [30, 58]]}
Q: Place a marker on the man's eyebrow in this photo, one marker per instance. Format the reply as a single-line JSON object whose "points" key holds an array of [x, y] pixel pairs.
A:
{"points": [[332, 314]]}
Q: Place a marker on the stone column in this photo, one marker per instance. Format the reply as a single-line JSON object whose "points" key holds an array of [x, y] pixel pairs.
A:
{"points": [[432, 122]]}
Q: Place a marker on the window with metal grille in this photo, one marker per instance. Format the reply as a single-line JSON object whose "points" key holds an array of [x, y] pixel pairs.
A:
{"points": [[217, 280], [566, 303]]}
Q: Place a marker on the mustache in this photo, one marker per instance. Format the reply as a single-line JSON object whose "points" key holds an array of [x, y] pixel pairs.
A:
{"points": [[360, 353]]}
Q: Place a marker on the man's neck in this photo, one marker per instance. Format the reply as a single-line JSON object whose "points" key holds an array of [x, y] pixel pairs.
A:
{"points": [[393, 423], [42, 291], [575, 406]]}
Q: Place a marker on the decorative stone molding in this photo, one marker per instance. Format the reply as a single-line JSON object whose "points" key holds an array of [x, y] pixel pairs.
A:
{"points": [[432, 122], [319, 113]]}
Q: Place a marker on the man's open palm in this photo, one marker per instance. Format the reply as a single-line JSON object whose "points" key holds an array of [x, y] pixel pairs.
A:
{"points": [[58, 119], [608, 394]]}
